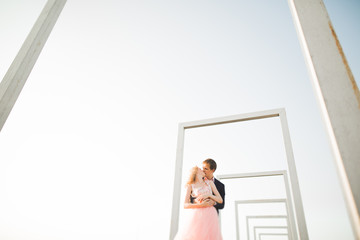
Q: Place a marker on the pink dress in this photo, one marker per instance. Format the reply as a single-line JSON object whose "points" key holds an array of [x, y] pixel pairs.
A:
{"points": [[201, 223]]}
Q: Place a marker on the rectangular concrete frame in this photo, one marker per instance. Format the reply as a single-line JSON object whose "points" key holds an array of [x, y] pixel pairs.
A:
{"points": [[271, 234], [281, 114], [268, 217], [291, 225], [267, 227]]}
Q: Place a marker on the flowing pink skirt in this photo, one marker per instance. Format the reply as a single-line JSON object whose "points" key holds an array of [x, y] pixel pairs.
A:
{"points": [[200, 224]]}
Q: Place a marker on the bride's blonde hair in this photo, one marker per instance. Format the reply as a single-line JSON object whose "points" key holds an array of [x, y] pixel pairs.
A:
{"points": [[192, 176]]}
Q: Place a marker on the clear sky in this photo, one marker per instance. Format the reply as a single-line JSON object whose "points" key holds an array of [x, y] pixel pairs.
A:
{"points": [[88, 152]]}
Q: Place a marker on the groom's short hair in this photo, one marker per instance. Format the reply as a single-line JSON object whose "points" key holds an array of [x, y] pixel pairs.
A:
{"points": [[211, 163]]}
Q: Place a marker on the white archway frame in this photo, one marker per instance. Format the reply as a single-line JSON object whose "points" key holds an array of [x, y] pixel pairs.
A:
{"points": [[261, 235], [266, 227], [266, 217], [291, 225], [277, 113]]}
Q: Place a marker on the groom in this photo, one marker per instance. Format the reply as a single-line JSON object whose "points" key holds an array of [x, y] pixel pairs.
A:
{"points": [[209, 167]]}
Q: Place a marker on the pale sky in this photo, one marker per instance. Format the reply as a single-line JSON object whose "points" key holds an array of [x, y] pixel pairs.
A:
{"points": [[88, 151]]}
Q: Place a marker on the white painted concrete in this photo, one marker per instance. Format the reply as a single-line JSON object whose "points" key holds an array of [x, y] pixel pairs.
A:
{"points": [[15, 78], [337, 94]]}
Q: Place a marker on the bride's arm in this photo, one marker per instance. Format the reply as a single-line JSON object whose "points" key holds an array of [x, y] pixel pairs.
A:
{"points": [[217, 198], [188, 204]]}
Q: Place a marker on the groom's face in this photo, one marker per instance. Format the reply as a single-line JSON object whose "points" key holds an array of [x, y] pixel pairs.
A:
{"points": [[208, 172]]}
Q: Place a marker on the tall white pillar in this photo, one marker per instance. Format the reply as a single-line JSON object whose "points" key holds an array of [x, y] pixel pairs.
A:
{"points": [[337, 93], [15, 78]]}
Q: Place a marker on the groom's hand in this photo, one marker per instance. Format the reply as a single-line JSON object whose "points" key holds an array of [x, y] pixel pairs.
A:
{"points": [[208, 202]]}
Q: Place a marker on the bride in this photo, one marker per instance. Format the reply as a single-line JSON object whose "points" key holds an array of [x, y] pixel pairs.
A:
{"points": [[202, 221]]}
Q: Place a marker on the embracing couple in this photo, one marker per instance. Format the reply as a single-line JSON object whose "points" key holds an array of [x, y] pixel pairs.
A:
{"points": [[205, 195]]}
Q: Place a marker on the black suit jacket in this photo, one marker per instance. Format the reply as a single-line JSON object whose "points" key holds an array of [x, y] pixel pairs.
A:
{"points": [[221, 188]]}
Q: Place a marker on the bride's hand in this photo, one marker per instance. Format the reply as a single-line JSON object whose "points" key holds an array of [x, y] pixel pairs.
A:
{"points": [[202, 197], [209, 202]]}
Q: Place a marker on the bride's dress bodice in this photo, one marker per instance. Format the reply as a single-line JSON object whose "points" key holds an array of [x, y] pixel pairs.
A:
{"points": [[197, 191]]}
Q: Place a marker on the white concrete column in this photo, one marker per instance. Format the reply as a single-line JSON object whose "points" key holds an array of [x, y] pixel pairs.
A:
{"points": [[337, 93], [16, 76]]}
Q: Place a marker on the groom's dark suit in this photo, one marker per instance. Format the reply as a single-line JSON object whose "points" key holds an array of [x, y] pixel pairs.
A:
{"points": [[221, 188]]}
